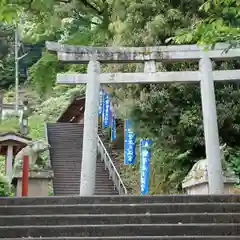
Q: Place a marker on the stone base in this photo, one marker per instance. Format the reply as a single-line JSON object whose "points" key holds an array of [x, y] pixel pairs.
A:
{"points": [[202, 189], [38, 183], [36, 187], [200, 186]]}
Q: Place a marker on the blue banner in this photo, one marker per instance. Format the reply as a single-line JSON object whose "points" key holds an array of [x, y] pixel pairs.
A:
{"points": [[129, 144], [113, 129], [145, 156], [100, 108], [106, 110]]}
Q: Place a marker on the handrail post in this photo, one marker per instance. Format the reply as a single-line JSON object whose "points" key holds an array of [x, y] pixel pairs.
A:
{"points": [[119, 186], [46, 136], [25, 175]]}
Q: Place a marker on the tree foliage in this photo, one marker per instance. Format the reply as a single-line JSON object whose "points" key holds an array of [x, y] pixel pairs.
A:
{"points": [[4, 186], [150, 22], [7, 58], [6, 67], [221, 24], [57, 21], [6, 38], [43, 73], [171, 114]]}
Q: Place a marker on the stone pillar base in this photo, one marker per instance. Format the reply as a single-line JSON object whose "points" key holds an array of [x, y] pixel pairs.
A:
{"points": [[200, 186], [38, 182]]}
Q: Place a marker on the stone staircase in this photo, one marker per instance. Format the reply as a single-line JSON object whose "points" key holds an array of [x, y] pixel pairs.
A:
{"points": [[65, 140], [166, 217]]}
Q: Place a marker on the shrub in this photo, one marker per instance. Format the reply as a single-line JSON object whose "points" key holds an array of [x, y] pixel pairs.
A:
{"points": [[4, 186]]}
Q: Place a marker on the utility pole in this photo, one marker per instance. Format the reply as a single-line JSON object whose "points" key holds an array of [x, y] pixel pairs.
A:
{"points": [[16, 69], [17, 45]]}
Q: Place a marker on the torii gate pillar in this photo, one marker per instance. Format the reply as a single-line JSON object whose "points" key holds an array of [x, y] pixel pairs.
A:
{"points": [[89, 153], [215, 176]]}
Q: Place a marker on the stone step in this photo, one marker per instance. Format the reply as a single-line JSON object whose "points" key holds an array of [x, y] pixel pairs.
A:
{"points": [[98, 219], [120, 208], [136, 238], [99, 174], [103, 190], [114, 192], [97, 187], [127, 199], [100, 183], [100, 193], [78, 164], [66, 142], [121, 230], [97, 192]]}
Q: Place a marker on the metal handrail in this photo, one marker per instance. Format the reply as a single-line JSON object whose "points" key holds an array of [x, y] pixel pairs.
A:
{"points": [[117, 180]]}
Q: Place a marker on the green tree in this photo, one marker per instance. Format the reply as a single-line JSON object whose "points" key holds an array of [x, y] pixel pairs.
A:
{"points": [[150, 22], [222, 24], [6, 39], [171, 114], [43, 74], [73, 22], [4, 186], [7, 60], [43, 20]]}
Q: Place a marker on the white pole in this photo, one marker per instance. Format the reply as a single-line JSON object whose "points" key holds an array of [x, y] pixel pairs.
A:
{"points": [[16, 69], [215, 176], [9, 162], [89, 154]]}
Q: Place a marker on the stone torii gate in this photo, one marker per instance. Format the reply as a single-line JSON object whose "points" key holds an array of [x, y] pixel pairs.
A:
{"points": [[93, 56]]}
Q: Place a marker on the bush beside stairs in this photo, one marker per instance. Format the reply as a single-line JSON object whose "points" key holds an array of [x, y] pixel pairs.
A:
{"points": [[166, 217]]}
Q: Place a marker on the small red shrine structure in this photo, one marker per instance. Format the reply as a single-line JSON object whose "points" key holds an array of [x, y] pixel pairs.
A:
{"points": [[10, 144]]}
